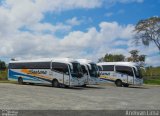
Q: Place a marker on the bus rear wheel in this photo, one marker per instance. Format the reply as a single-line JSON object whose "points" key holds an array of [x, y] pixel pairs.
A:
{"points": [[126, 85], [118, 83], [84, 85], [20, 81], [55, 83]]}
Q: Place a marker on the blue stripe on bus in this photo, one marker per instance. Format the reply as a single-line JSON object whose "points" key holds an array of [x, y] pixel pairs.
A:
{"points": [[12, 74], [107, 79]]}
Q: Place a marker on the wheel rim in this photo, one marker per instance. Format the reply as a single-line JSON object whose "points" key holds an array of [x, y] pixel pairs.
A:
{"points": [[55, 84], [20, 80], [119, 83]]}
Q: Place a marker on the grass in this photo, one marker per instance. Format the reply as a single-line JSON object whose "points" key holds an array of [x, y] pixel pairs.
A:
{"points": [[152, 81], [151, 72], [7, 81], [3, 75]]}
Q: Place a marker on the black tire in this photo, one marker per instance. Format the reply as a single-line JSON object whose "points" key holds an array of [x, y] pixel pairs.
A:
{"points": [[55, 83], [20, 81], [126, 85], [118, 83], [84, 85], [31, 83], [66, 86]]}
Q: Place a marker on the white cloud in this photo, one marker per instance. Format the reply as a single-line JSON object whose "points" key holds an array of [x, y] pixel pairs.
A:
{"points": [[74, 21], [75, 44], [109, 14], [15, 14], [125, 1], [153, 60], [92, 44], [47, 27], [110, 3]]}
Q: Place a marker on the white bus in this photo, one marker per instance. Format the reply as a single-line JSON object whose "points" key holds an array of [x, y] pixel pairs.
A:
{"points": [[121, 73], [56, 71], [90, 71]]}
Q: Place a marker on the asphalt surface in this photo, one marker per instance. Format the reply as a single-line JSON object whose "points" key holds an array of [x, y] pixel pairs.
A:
{"points": [[36, 97]]}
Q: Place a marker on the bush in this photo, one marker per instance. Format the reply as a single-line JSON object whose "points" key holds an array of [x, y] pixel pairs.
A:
{"points": [[152, 81], [3, 75]]}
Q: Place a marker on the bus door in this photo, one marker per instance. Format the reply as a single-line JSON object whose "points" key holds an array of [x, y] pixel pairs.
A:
{"points": [[85, 73], [138, 80], [125, 73], [61, 72]]}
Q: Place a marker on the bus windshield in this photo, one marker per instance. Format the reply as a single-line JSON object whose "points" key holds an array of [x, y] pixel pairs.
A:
{"points": [[138, 72], [77, 70], [94, 70]]}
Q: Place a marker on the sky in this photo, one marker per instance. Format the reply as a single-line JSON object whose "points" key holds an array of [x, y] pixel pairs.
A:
{"points": [[31, 29]]}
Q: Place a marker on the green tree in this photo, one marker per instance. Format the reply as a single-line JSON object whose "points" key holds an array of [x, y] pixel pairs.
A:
{"points": [[148, 31], [2, 65], [135, 57], [112, 58]]}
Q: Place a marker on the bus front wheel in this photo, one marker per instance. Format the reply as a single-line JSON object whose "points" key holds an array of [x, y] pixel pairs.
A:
{"points": [[55, 83], [20, 80], [118, 83]]}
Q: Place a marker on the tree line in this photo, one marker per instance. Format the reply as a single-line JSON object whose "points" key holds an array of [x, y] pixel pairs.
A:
{"points": [[2, 65], [134, 57]]}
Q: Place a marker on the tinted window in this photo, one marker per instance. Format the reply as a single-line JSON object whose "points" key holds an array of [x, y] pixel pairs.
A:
{"points": [[30, 65], [137, 72], [39, 65], [77, 68], [15, 66], [108, 67], [84, 69], [125, 70], [100, 69], [94, 70], [60, 67]]}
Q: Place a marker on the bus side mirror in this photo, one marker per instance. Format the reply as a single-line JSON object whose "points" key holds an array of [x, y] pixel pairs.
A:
{"points": [[66, 73]]}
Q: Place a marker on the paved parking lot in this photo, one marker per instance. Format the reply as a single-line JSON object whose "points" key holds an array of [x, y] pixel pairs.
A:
{"points": [[20, 97]]}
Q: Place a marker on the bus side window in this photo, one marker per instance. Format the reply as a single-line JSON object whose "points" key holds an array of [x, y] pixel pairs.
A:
{"points": [[108, 67], [60, 67], [100, 68], [30, 65], [124, 70]]}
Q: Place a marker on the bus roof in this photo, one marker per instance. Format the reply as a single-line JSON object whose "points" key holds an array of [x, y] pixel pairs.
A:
{"points": [[63, 60], [132, 64], [85, 61]]}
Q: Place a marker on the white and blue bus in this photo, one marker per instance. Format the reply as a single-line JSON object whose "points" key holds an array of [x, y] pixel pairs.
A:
{"points": [[90, 71], [57, 72], [121, 73]]}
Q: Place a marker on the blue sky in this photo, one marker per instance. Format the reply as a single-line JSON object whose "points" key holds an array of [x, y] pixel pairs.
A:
{"points": [[128, 13], [78, 29]]}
